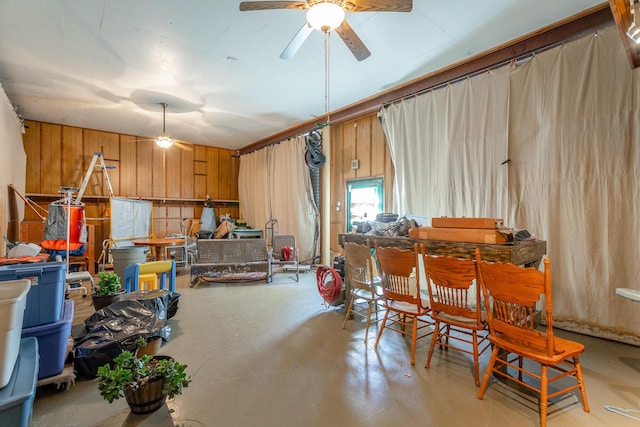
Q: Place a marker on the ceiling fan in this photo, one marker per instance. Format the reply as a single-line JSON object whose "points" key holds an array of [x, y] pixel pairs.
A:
{"points": [[328, 15], [163, 139]]}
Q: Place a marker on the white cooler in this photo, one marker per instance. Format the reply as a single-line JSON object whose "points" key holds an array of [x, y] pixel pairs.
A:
{"points": [[13, 300]]}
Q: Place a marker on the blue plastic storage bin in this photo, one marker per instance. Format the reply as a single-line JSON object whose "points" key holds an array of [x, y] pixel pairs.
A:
{"points": [[52, 341], [16, 398], [45, 298]]}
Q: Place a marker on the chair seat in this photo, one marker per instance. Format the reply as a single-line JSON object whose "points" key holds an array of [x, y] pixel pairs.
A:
{"points": [[564, 349], [407, 308], [467, 322], [365, 294]]}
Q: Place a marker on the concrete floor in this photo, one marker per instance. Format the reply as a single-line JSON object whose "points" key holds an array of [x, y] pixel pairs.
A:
{"points": [[274, 355]]}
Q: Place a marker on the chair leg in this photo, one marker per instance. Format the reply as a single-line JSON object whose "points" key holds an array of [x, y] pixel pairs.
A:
{"points": [[366, 331], [348, 313], [487, 373], [384, 322], [520, 363], [435, 337], [544, 382], [414, 337], [476, 367], [583, 389], [446, 338]]}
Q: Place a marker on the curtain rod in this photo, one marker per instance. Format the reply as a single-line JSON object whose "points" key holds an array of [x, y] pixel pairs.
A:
{"points": [[515, 60]]}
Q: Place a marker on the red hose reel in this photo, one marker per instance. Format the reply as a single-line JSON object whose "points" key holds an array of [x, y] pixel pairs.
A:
{"points": [[329, 283]]}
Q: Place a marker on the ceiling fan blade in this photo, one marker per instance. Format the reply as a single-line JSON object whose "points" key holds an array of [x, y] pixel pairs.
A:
{"points": [[296, 42], [266, 5], [378, 6], [182, 146], [352, 41]]}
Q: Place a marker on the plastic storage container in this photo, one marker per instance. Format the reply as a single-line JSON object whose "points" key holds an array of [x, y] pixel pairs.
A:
{"points": [[45, 298], [13, 299], [52, 342], [16, 399]]}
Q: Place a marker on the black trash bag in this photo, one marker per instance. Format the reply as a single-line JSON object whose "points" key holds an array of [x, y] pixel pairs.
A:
{"points": [[112, 329], [162, 302]]}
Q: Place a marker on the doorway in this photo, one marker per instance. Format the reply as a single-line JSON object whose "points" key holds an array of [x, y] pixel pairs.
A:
{"points": [[365, 200]]}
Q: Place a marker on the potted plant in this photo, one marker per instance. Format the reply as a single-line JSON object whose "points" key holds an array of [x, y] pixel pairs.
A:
{"points": [[144, 381], [107, 290]]}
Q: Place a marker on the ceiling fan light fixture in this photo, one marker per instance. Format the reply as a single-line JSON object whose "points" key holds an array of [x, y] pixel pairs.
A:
{"points": [[325, 16], [164, 141]]}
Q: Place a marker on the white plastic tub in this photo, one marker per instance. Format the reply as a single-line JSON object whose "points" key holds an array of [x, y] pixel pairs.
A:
{"points": [[13, 300]]}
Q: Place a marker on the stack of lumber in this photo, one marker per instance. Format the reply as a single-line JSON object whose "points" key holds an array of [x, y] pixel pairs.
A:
{"points": [[472, 230]]}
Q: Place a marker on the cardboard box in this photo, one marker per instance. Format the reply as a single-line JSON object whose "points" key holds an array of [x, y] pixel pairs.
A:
{"points": [[485, 223], [470, 235]]}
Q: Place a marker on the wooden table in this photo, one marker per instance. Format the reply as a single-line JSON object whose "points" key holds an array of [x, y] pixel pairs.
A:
{"points": [[159, 246], [528, 254]]}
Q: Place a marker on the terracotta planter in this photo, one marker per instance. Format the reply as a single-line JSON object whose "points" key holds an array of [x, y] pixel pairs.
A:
{"points": [[147, 398], [101, 301]]}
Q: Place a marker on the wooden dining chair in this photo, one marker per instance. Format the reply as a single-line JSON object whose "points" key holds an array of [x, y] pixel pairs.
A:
{"points": [[511, 293], [456, 307], [365, 292], [401, 295]]}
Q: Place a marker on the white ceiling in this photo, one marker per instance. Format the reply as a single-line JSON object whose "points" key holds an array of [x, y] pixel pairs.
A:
{"points": [[107, 64]]}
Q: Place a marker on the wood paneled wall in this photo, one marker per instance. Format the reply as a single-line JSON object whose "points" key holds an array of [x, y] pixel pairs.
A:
{"points": [[359, 139], [177, 180], [60, 155]]}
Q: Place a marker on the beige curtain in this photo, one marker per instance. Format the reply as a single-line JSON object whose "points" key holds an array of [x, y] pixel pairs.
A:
{"points": [[274, 183], [448, 146], [253, 188], [566, 120]]}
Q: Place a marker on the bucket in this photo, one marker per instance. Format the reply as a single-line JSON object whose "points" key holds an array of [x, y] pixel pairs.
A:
{"points": [[148, 398], [122, 257]]}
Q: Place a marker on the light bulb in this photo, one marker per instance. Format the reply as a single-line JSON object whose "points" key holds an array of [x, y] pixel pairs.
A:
{"points": [[164, 141], [325, 16]]}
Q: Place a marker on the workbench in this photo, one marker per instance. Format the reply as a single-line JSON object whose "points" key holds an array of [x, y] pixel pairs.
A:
{"points": [[526, 253]]}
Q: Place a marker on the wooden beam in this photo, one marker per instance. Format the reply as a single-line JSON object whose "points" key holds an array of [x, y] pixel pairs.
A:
{"points": [[574, 26]]}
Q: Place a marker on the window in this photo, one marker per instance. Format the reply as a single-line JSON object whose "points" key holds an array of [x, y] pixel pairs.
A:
{"points": [[365, 200]]}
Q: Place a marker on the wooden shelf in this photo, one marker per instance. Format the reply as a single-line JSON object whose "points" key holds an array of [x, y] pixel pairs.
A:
{"points": [[161, 200]]}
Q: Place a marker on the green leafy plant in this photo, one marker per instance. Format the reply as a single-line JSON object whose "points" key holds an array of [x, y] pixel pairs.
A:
{"points": [[108, 284], [129, 372]]}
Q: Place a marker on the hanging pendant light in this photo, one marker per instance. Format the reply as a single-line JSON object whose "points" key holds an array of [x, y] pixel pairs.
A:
{"points": [[164, 140]]}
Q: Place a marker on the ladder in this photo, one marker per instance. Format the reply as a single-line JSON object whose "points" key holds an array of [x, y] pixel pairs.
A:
{"points": [[97, 156]]}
